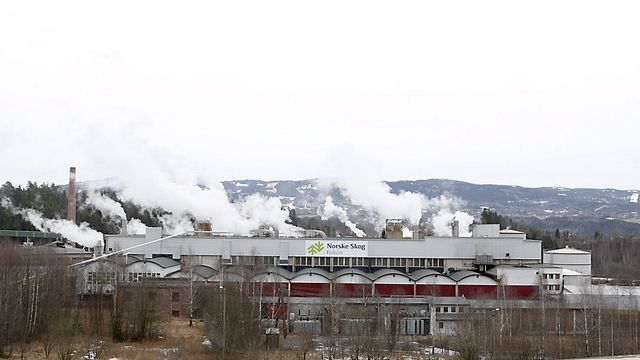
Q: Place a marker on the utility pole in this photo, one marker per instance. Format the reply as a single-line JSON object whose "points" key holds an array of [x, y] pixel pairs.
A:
{"points": [[224, 318]]}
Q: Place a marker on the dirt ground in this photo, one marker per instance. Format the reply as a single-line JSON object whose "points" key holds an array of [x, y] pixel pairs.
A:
{"points": [[180, 341]]}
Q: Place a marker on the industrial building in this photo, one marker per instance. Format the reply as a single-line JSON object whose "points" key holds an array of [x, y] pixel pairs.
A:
{"points": [[486, 265], [432, 279]]}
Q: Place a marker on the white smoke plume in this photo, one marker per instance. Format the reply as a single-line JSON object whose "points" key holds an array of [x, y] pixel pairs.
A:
{"points": [[135, 227], [257, 210], [175, 224], [329, 209], [376, 198], [81, 234], [105, 204], [441, 222]]}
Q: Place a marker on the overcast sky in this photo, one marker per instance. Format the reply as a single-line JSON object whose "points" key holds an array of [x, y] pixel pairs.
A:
{"points": [[534, 94]]}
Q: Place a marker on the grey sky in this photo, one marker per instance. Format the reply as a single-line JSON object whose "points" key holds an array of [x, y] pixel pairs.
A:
{"points": [[535, 94]]}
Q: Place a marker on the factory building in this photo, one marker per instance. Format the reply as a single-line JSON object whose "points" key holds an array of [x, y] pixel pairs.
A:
{"points": [[489, 264], [432, 279]]}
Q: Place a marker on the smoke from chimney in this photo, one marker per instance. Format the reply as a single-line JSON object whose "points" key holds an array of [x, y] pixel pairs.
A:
{"points": [[71, 196]]}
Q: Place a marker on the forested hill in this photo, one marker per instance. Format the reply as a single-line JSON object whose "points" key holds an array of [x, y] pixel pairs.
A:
{"points": [[580, 211], [604, 210]]}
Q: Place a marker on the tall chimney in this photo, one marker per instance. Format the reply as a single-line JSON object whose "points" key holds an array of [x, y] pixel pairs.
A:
{"points": [[455, 228], [71, 195]]}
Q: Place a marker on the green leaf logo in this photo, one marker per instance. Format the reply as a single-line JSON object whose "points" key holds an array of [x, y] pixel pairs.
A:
{"points": [[315, 248]]}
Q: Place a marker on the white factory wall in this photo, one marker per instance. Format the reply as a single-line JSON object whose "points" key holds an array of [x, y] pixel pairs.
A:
{"points": [[527, 251]]}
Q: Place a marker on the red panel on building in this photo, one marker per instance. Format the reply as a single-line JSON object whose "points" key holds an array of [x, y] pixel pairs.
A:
{"points": [[435, 290], [310, 289], [352, 290], [520, 292], [478, 291], [385, 290], [274, 289]]}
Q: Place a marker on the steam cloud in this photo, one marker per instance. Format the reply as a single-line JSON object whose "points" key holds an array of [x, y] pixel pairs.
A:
{"points": [[329, 209], [135, 226], [193, 194], [155, 175], [81, 234], [105, 204], [441, 222], [376, 198]]}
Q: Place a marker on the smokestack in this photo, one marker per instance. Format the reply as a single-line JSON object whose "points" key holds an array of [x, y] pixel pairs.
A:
{"points": [[415, 232], [455, 228], [71, 196], [203, 227], [123, 227]]}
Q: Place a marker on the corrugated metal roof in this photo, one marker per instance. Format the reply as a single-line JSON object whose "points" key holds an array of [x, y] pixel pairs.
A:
{"points": [[344, 272], [163, 261], [383, 272], [312, 271], [459, 275], [419, 274], [204, 271], [277, 270], [567, 251], [510, 231], [30, 234]]}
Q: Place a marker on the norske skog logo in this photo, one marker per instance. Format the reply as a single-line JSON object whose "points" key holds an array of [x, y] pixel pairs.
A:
{"points": [[337, 248], [315, 248]]}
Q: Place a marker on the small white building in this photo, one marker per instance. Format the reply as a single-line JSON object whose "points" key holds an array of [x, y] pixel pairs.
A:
{"points": [[569, 258]]}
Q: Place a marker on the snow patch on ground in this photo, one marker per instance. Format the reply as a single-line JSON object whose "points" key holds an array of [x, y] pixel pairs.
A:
{"points": [[239, 184], [271, 187], [440, 351], [634, 198], [305, 187]]}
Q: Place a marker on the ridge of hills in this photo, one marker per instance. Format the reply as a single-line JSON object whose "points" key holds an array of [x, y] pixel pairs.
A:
{"points": [[579, 210]]}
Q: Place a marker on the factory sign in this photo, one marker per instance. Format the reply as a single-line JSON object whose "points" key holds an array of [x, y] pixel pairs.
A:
{"points": [[337, 248]]}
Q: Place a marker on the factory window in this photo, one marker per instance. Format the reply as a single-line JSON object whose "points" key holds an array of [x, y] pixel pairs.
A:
{"points": [[303, 261], [418, 262], [395, 262], [437, 309], [379, 262], [175, 296], [441, 325], [340, 261], [435, 262], [357, 262], [268, 260], [244, 260], [322, 261], [557, 276], [445, 309], [175, 313]]}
